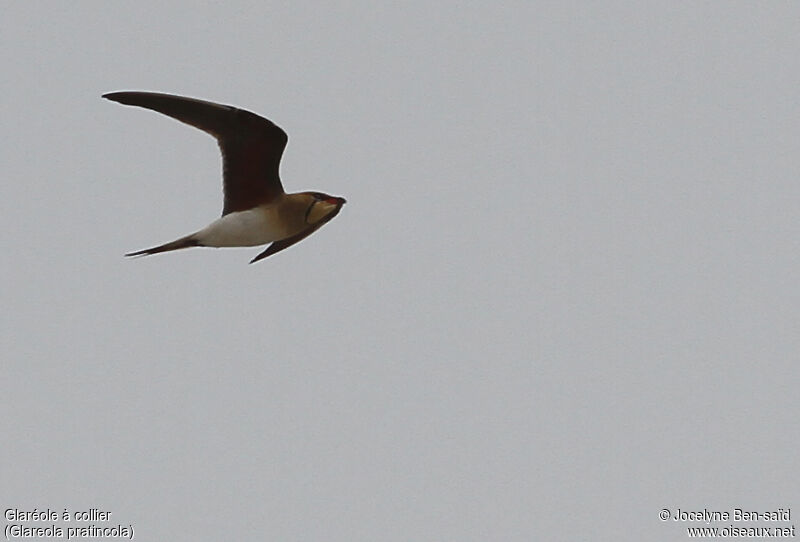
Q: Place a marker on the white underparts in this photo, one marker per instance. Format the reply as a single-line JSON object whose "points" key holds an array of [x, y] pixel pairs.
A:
{"points": [[243, 229]]}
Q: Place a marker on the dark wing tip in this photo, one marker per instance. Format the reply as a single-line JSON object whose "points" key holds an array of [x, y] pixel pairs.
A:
{"points": [[120, 97]]}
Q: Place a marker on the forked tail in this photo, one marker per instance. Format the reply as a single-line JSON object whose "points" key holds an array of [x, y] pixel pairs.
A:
{"points": [[183, 242]]}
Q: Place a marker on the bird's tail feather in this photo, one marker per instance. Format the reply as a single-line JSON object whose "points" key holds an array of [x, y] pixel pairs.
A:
{"points": [[183, 242]]}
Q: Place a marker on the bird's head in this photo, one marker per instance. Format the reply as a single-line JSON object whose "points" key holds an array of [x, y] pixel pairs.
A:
{"points": [[322, 207]]}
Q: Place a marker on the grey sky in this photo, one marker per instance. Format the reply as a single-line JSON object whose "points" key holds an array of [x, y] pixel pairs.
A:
{"points": [[563, 294]]}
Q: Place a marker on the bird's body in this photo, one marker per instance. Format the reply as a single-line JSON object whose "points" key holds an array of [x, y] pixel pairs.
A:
{"points": [[254, 227], [256, 210], [264, 224]]}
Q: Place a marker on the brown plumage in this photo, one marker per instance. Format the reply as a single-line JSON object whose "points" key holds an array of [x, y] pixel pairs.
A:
{"points": [[256, 210]]}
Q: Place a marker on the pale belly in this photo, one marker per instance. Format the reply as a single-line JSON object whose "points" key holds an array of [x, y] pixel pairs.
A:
{"points": [[243, 229]]}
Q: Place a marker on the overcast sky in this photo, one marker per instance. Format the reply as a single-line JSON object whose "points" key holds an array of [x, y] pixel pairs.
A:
{"points": [[562, 297]]}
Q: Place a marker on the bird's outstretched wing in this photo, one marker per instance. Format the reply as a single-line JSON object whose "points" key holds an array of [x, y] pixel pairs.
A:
{"points": [[251, 145]]}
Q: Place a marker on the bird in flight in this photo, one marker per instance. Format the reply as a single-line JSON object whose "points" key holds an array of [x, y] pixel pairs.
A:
{"points": [[256, 210]]}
